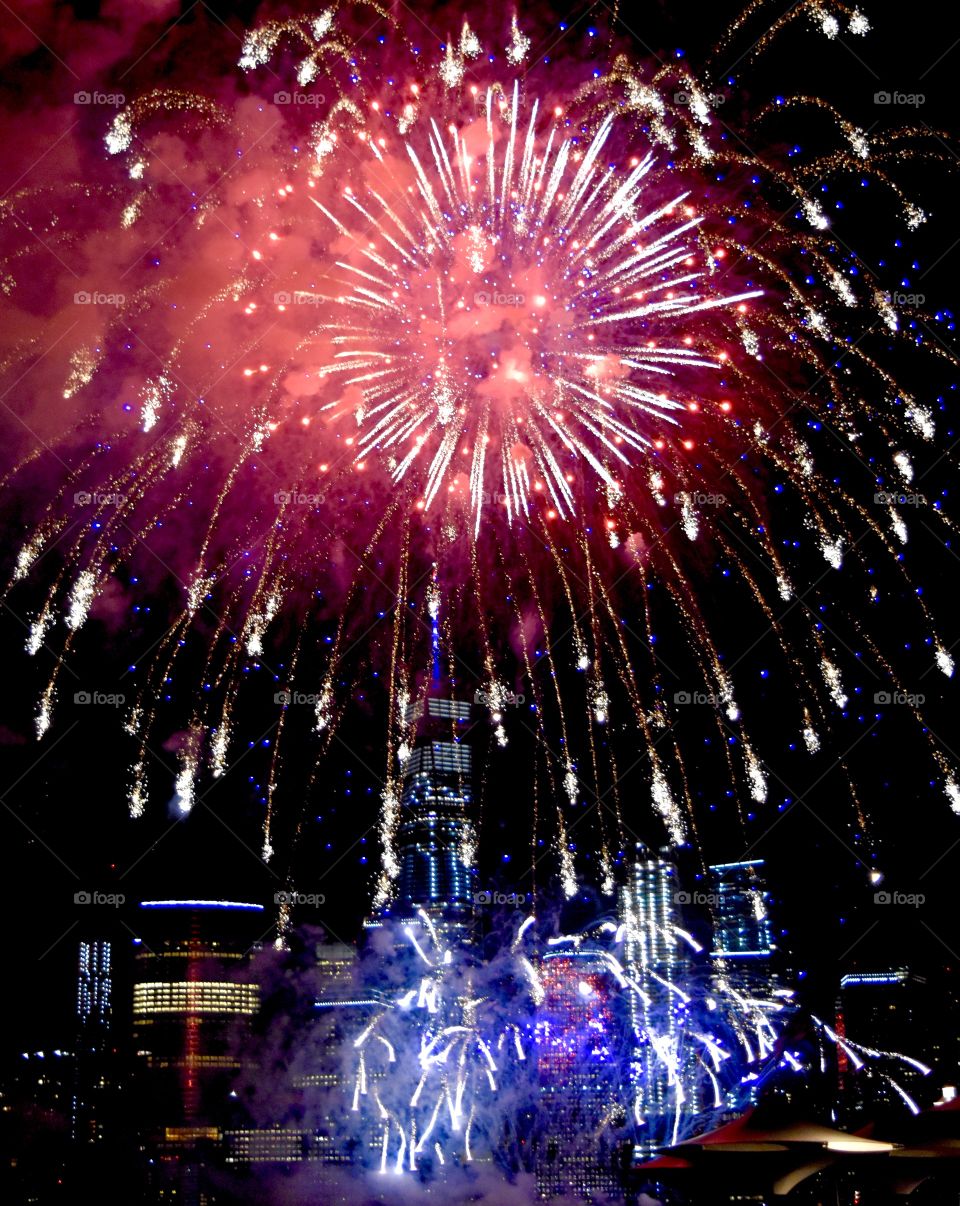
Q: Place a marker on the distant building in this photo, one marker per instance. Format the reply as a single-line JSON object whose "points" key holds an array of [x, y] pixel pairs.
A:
{"points": [[95, 988], [96, 1066], [579, 1145], [743, 946], [888, 1009], [341, 1012], [191, 1004], [315, 1090], [656, 956]]}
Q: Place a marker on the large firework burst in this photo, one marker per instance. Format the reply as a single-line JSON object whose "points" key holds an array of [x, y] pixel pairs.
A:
{"points": [[495, 350]]}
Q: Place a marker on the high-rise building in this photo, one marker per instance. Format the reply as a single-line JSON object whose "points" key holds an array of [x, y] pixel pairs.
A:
{"points": [[579, 1146], [305, 1116], [192, 1002], [884, 1008], [742, 937], [656, 956], [96, 1063], [435, 838], [95, 987]]}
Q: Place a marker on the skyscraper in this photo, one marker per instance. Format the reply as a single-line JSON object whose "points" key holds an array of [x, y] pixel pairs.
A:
{"points": [[883, 1007], [656, 957], [191, 1003], [743, 944], [435, 839], [95, 987], [95, 1069], [580, 1100]]}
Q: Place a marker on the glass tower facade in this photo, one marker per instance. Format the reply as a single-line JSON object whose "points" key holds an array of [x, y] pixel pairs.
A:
{"points": [[655, 956], [193, 1000], [741, 928], [435, 840], [580, 1147]]}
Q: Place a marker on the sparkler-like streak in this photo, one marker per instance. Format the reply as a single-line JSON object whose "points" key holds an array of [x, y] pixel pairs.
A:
{"points": [[462, 316], [430, 1067]]}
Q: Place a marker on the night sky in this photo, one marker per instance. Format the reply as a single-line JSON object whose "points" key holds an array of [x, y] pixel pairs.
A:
{"points": [[65, 826]]}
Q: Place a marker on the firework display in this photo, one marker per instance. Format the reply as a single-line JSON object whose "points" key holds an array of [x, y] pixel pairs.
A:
{"points": [[545, 1055], [476, 346], [466, 364]]}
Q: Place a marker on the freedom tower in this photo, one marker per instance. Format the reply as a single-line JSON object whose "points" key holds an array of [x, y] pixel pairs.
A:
{"points": [[436, 841]]}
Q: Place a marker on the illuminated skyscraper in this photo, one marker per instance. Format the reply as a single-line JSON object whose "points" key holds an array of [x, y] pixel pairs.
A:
{"points": [[886, 1008], [742, 938], [580, 1101], [656, 956], [191, 1003], [305, 1057], [95, 1079], [94, 987], [435, 839]]}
